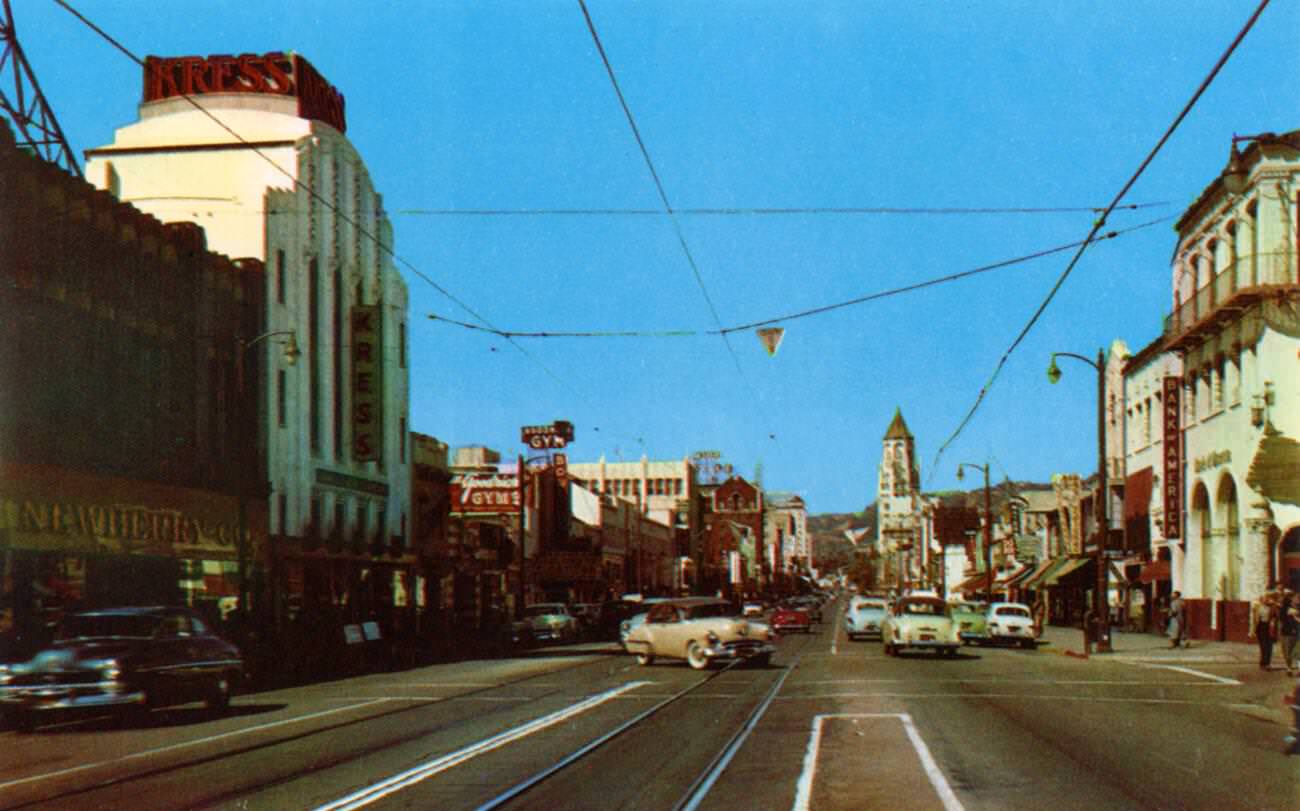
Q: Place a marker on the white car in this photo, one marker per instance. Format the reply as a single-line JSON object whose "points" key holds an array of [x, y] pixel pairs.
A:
{"points": [[920, 623], [864, 615], [552, 622], [1011, 622], [701, 630]]}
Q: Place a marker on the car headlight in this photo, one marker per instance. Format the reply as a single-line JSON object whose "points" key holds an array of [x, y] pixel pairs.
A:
{"points": [[712, 637], [109, 669], [6, 675]]}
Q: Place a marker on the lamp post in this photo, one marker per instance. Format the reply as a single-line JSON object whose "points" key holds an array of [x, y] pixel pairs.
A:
{"points": [[988, 527], [1100, 607], [291, 355]]}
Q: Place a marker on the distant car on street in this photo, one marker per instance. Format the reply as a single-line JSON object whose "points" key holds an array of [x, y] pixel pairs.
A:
{"points": [[790, 617], [972, 621], [864, 616], [125, 660], [920, 623], [552, 622], [753, 608], [1012, 623]]}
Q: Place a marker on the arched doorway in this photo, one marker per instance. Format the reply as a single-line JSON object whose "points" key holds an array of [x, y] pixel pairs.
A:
{"points": [[1201, 528], [1289, 573], [1225, 504]]}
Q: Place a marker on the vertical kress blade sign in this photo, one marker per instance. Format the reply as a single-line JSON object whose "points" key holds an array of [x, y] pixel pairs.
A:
{"points": [[367, 385], [771, 338]]}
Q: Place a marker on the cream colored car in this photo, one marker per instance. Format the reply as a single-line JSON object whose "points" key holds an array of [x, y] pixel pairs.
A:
{"points": [[700, 630], [920, 623]]}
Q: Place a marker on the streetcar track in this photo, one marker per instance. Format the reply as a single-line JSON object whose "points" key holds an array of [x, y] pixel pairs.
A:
{"points": [[423, 703]]}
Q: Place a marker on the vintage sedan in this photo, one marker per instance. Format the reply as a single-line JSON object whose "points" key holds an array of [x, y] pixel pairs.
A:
{"points": [[701, 630], [127, 660], [1012, 623], [552, 622], [920, 623], [864, 616], [790, 617], [972, 622]]}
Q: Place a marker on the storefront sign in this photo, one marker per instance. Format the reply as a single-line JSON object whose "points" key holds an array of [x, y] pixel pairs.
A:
{"points": [[367, 387], [542, 437], [1173, 457], [1204, 463], [487, 494], [276, 74]]}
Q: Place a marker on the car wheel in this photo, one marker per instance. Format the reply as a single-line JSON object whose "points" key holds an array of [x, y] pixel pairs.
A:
{"points": [[645, 659], [695, 656], [761, 660], [24, 721], [889, 649], [1028, 644], [218, 697]]}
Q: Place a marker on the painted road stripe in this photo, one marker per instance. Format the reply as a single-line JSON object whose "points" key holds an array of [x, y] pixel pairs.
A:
{"points": [[424, 771], [148, 752], [803, 790], [1043, 682], [1018, 696], [1189, 671]]}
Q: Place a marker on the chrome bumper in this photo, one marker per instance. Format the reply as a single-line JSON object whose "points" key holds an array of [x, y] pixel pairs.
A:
{"points": [[68, 696]]}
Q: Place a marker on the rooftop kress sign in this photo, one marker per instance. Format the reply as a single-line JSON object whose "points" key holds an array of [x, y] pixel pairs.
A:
{"points": [[276, 74]]}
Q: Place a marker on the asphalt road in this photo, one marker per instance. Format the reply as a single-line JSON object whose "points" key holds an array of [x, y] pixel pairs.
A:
{"points": [[831, 724]]}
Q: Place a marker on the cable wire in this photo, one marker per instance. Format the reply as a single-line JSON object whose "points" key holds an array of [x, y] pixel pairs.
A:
{"points": [[1101, 221], [742, 211], [686, 333]]}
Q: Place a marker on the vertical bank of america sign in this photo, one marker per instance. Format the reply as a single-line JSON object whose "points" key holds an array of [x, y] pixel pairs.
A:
{"points": [[367, 385], [1173, 452]]}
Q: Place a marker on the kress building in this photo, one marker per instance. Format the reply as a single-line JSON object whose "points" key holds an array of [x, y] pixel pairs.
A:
{"points": [[253, 148]]}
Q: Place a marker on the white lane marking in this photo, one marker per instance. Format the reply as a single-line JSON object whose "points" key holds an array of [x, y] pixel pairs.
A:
{"points": [[196, 742], [835, 637], [803, 791], [394, 784], [1045, 682], [1189, 671], [1020, 696]]}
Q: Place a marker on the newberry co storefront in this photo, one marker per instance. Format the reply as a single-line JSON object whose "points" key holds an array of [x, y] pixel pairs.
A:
{"points": [[72, 540]]}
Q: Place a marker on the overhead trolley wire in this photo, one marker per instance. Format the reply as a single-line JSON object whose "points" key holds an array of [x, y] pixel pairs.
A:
{"points": [[687, 333], [654, 174], [328, 204], [733, 211], [1100, 222]]}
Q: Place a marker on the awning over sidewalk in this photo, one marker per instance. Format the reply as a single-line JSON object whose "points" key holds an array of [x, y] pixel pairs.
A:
{"points": [[1155, 570], [1065, 570], [1040, 572], [979, 582], [1012, 579]]}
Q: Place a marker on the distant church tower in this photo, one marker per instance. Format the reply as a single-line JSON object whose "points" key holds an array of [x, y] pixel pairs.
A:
{"points": [[898, 502]]}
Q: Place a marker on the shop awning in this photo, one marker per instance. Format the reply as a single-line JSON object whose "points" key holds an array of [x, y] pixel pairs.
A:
{"points": [[1137, 494], [1067, 568], [1012, 578], [1040, 572], [1155, 570], [979, 582]]}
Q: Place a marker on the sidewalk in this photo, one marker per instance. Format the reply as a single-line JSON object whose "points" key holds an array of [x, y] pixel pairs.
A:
{"points": [[1148, 647]]}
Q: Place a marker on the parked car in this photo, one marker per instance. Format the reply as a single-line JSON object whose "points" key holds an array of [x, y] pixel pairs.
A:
{"points": [[1012, 623], [790, 617], [128, 660], [588, 616], [552, 622], [701, 630], [753, 608], [919, 623], [864, 616], [972, 621], [812, 604]]}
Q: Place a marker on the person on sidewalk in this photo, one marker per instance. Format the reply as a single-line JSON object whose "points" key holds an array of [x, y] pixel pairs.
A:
{"points": [[1263, 627], [1289, 627], [1177, 620]]}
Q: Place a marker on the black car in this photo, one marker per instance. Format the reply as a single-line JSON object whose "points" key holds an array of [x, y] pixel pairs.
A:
{"points": [[128, 660]]}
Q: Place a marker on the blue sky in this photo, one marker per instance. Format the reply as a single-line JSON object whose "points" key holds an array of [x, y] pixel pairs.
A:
{"points": [[814, 105]]}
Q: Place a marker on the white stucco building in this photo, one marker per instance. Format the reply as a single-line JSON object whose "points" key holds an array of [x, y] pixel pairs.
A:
{"points": [[1235, 288], [255, 152]]}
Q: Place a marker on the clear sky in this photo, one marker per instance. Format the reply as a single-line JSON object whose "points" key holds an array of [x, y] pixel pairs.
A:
{"points": [[460, 106]]}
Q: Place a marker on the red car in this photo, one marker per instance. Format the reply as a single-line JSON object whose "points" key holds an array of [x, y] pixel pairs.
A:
{"points": [[791, 618]]}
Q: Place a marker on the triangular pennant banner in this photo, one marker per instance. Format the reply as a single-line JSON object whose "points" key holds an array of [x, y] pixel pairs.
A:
{"points": [[771, 338]]}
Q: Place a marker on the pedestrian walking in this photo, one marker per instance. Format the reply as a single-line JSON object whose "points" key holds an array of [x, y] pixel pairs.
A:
{"points": [[1177, 620], [1263, 626], [1289, 627]]}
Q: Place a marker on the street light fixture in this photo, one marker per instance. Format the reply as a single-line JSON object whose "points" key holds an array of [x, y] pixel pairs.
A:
{"points": [[291, 355], [1101, 611], [988, 527]]}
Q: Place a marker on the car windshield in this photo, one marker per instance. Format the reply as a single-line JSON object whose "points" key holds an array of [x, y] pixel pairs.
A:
{"points": [[1012, 611], [923, 607], [543, 610], [712, 610], [89, 626]]}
